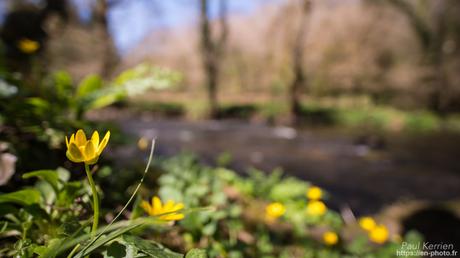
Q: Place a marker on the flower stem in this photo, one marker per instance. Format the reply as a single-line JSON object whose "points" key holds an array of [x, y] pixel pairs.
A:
{"points": [[95, 201]]}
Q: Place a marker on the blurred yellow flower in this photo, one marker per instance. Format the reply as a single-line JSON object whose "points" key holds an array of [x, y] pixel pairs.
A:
{"points": [[168, 211], [367, 223], [80, 149], [314, 193], [28, 46], [330, 238], [274, 210], [316, 208], [142, 144], [379, 234]]}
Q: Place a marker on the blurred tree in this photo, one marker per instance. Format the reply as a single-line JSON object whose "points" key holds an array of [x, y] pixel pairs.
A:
{"points": [[25, 36], [432, 22], [300, 79], [100, 18], [212, 50]]}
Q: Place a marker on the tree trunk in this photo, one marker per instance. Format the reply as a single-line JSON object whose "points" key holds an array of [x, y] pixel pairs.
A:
{"points": [[212, 51], [431, 39], [299, 80], [110, 54]]}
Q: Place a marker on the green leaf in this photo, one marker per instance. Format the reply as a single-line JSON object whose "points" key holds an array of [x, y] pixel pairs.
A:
{"points": [[7, 209], [39, 106], [3, 226], [144, 77], [105, 239], [116, 250], [196, 253], [89, 84], [63, 174], [51, 249], [359, 245], [209, 229], [288, 189], [36, 211], [22, 197], [102, 98], [49, 176], [63, 83], [155, 250]]}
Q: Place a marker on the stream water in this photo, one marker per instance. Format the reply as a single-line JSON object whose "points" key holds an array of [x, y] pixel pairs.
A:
{"points": [[362, 171]]}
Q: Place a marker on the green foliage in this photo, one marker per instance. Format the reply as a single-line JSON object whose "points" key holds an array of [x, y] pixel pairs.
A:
{"points": [[46, 221], [38, 115], [235, 225]]}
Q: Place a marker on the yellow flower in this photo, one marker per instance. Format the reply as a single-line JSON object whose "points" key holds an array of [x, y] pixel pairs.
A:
{"points": [[80, 149], [314, 193], [274, 210], [168, 211], [367, 223], [379, 234], [330, 238], [28, 46], [142, 144], [316, 208]]}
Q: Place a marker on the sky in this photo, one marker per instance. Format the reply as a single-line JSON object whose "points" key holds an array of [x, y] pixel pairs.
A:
{"points": [[132, 20]]}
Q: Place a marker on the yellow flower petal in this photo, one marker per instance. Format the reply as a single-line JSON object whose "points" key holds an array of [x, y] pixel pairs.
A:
{"points": [[95, 139], [80, 138], [167, 211], [85, 150], [74, 153], [67, 142], [146, 206], [90, 151], [103, 143], [168, 205], [157, 206], [175, 216], [178, 207]]}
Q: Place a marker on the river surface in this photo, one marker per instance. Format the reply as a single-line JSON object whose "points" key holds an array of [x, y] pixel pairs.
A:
{"points": [[361, 171]]}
